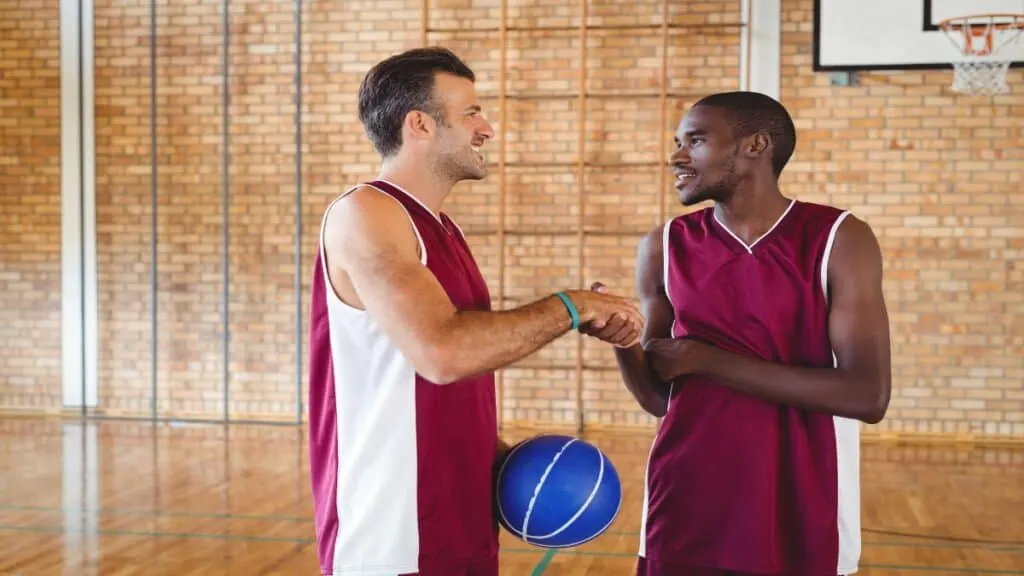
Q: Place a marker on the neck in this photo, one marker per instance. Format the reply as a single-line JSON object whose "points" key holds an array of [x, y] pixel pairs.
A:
{"points": [[752, 209], [417, 179]]}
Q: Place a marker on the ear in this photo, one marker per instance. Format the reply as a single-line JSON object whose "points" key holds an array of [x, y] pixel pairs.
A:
{"points": [[419, 125], [757, 145]]}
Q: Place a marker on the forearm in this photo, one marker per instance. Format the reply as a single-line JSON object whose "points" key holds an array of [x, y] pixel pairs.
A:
{"points": [[828, 390], [474, 342], [648, 390]]}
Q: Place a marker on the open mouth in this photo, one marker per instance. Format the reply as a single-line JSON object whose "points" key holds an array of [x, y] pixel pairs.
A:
{"points": [[683, 177], [476, 148]]}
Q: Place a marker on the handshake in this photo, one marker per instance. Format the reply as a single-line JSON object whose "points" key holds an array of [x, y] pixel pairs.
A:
{"points": [[612, 319]]}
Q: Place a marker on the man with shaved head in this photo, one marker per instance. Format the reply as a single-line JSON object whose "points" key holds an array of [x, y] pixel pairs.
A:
{"points": [[766, 342]]}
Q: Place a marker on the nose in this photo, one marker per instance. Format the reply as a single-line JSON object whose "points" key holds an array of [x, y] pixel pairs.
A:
{"points": [[486, 130], [680, 156]]}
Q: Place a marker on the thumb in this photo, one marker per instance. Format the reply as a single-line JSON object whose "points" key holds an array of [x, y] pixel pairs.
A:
{"points": [[599, 287]]}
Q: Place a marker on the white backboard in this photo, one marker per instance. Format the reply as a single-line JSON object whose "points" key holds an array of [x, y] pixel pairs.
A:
{"points": [[897, 34]]}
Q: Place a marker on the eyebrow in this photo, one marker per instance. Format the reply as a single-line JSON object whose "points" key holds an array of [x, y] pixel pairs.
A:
{"points": [[692, 133]]}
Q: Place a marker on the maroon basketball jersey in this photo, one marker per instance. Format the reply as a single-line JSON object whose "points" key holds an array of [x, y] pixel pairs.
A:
{"points": [[401, 467], [735, 482]]}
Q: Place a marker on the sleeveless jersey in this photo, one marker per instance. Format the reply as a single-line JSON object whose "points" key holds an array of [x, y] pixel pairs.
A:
{"points": [[735, 482], [401, 468]]}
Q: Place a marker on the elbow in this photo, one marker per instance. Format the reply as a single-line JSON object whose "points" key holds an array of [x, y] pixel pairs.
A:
{"points": [[438, 376], [438, 372], [438, 364], [873, 416], [656, 407], [875, 407]]}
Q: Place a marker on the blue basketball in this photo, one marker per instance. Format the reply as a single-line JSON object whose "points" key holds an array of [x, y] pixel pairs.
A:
{"points": [[557, 491]]}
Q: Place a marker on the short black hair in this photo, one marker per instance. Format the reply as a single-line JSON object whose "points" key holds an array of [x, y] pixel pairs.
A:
{"points": [[752, 112], [400, 84]]}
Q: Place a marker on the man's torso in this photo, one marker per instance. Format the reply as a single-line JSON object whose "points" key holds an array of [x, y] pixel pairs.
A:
{"points": [[734, 481], [401, 466]]}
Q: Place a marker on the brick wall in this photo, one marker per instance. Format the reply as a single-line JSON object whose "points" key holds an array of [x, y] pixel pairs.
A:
{"points": [[30, 336], [919, 164], [939, 178]]}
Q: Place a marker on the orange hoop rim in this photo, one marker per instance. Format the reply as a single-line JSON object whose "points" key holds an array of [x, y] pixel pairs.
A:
{"points": [[960, 22], [983, 27]]}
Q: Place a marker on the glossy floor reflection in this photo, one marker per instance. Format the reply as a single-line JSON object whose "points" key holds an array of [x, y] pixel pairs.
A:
{"points": [[120, 498]]}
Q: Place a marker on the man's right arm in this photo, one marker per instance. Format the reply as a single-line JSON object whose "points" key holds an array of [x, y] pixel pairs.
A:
{"points": [[645, 386], [368, 237]]}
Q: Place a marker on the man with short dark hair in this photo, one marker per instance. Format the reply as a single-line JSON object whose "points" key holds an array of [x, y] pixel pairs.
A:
{"points": [[404, 344], [766, 341]]}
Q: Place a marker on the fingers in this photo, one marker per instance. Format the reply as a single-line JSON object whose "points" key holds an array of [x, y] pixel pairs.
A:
{"points": [[614, 329], [625, 337], [610, 318], [622, 329]]}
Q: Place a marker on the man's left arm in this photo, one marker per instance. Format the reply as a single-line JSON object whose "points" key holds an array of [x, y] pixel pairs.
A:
{"points": [[858, 324]]}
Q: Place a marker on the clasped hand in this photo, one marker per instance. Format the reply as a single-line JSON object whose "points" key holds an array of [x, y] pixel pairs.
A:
{"points": [[617, 321], [612, 319], [670, 358]]}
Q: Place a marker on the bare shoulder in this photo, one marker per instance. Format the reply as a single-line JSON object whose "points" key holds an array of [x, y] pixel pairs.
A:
{"points": [[856, 245], [856, 264], [650, 262], [650, 250], [652, 243], [368, 224]]}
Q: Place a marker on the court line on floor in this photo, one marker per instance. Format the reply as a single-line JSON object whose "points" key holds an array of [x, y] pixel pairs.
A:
{"points": [[995, 547], [504, 549], [543, 564]]}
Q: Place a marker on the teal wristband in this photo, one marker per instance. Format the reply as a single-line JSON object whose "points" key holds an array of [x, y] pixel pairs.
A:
{"points": [[575, 315]]}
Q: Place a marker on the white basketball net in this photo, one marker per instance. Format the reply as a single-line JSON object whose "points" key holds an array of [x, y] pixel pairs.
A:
{"points": [[982, 70]]}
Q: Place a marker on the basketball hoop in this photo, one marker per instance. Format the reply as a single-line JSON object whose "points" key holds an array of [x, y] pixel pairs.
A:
{"points": [[979, 38]]}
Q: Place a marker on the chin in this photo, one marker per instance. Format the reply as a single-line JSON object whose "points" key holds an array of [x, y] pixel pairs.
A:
{"points": [[694, 197], [474, 174], [691, 199]]}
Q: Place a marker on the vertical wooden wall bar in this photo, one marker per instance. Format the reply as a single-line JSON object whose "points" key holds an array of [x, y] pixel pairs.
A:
{"points": [[663, 98], [225, 206], [154, 204], [424, 21], [300, 271], [502, 150], [581, 119], [749, 40]]}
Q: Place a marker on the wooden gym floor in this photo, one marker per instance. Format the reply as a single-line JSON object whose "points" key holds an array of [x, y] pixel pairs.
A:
{"points": [[119, 498]]}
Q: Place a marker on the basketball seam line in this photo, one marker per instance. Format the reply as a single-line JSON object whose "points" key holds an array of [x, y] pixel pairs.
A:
{"points": [[583, 508], [618, 508], [539, 486]]}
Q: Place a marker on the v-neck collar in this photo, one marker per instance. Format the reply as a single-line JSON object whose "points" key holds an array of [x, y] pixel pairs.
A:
{"points": [[749, 248]]}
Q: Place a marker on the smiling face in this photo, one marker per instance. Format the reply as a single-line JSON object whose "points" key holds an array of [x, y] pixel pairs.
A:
{"points": [[707, 161], [456, 153]]}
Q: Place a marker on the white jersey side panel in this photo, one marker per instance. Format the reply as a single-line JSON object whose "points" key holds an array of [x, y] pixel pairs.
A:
{"points": [[375, 400], [847, 454]]}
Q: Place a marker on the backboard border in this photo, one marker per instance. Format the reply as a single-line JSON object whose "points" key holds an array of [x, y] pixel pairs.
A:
{"points": [[927, 26]]}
